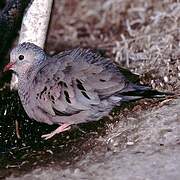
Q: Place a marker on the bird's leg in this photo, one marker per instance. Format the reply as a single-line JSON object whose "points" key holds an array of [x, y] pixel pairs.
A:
{"points": [[60, 129]]}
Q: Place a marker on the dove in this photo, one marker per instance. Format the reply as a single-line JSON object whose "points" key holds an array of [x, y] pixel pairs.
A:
{"points": [[72, 87]]}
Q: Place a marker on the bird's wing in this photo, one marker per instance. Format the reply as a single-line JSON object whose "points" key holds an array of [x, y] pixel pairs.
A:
{"points": [[75, 81]]}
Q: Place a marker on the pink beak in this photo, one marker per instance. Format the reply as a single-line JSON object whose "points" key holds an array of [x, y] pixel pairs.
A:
{"points": [[8, 66]]}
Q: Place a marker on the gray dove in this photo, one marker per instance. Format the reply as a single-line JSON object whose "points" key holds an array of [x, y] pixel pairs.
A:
{"points": [[72, 87]]}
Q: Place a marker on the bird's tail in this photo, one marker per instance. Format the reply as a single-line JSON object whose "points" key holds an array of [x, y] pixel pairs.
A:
{"points": [[135, 92]]}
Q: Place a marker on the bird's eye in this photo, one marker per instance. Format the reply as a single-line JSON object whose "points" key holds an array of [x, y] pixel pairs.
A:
{"points": [[21, 57]]}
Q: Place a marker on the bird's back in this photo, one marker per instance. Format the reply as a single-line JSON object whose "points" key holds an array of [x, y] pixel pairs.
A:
{"points": [[77, 81]]}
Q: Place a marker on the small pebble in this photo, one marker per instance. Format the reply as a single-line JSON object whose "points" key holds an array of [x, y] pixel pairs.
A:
{"points": [[130, 143], [166, 79]]}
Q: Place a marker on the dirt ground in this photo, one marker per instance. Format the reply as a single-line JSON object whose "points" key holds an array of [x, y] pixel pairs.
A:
{"points": [[139, 140]]}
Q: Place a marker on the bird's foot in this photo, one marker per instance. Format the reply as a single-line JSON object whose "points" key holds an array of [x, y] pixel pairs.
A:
{"points": [[60, 129]]}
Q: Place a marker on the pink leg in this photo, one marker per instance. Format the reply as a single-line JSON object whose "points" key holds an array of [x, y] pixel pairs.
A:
{"points": [[60, 129]]}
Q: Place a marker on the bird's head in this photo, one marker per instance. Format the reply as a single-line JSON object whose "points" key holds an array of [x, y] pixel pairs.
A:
{"points": [[24, 56]]}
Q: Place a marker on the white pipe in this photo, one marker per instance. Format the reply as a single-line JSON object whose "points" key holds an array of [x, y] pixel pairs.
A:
{"points": [[34, 26]]}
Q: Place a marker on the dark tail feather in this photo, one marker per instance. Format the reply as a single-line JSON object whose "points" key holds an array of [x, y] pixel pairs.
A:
{"points": [[147, 93], [140, 91]]}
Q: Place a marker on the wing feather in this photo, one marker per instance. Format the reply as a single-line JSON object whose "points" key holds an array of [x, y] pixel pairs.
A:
{"points": [[75, 80]]}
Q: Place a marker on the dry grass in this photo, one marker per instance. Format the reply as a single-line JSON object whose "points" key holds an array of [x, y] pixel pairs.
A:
{"points": [[143, 35]]}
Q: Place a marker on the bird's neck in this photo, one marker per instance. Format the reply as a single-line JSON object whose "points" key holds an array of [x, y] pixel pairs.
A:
{"points": [[25, 79]]}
